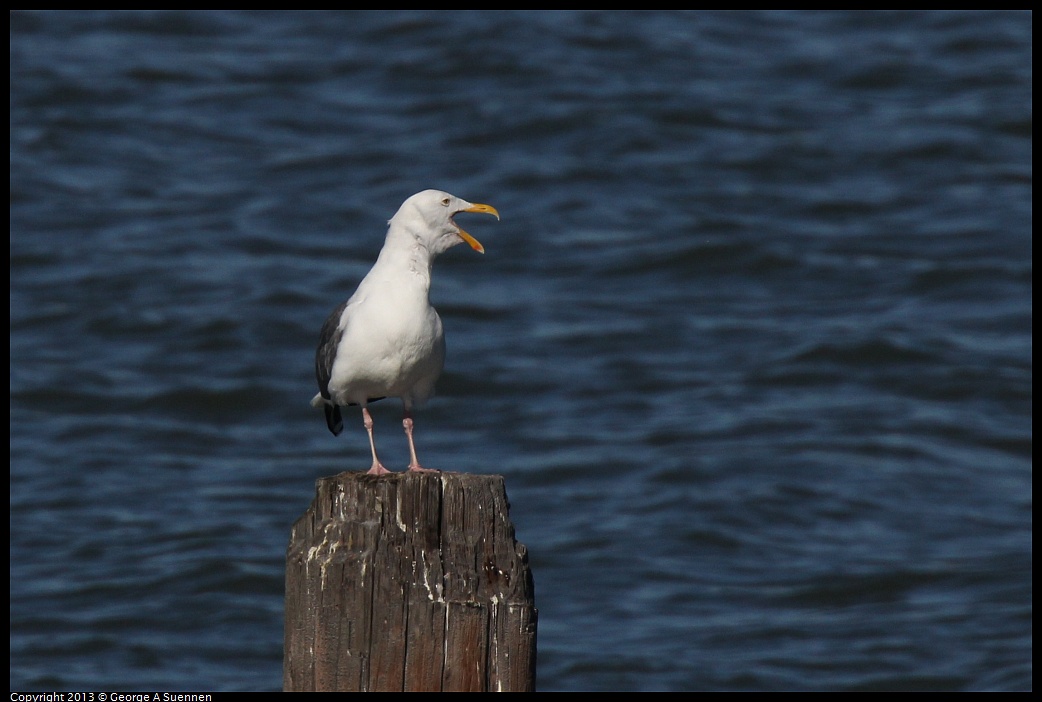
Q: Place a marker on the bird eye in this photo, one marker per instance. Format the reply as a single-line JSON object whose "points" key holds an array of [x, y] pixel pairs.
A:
{"points": [[445, 202]]}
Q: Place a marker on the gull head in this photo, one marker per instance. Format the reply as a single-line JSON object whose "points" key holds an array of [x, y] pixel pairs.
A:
{"points": [[428, 216]]}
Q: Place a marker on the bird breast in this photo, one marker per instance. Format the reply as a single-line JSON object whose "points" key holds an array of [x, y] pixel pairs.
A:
{"points": [[390, 347]]}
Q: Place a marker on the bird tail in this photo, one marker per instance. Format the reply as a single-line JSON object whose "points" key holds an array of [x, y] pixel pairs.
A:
{"points": [[333, 419]]}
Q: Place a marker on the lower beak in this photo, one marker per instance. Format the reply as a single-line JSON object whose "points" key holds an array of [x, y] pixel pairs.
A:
{"points": [[474, 243]]}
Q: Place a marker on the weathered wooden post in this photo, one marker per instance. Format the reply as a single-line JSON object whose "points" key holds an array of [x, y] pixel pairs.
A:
{"points": [[407, 582]]}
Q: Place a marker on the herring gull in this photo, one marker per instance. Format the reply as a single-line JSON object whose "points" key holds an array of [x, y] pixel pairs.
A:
{"points": [[387, 340]]}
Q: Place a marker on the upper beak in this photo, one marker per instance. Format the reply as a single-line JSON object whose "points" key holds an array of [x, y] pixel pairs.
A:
{"points": [[471, 241]]}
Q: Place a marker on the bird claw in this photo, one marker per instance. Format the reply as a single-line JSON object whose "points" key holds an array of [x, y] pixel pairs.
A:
{"points": [[378, 469]]}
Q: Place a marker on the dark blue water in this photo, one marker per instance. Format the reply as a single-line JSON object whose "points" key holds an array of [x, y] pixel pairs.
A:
{"points": [[751, 344]]}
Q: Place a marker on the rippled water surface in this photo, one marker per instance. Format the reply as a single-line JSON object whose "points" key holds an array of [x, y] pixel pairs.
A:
{"points": [[751, 344]]}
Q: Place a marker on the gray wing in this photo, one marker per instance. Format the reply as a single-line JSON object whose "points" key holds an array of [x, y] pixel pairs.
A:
{"points": [[325, 355]]}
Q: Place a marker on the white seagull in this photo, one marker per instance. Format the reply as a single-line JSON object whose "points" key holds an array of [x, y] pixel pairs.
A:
{"points": [[387, 340]]}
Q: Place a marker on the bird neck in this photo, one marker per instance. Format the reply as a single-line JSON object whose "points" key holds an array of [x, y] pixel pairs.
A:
{"points": [[407, 254]]}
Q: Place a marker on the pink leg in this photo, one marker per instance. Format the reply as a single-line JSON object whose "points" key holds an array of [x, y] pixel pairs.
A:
{"points": [[414, 465], [378, 468]]}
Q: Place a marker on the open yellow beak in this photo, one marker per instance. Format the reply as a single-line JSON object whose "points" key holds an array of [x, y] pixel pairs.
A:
{"points": [[471, 241]]}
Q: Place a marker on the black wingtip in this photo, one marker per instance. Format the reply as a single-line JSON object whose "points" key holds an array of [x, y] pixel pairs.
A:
{"points": [[333, 419]]}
